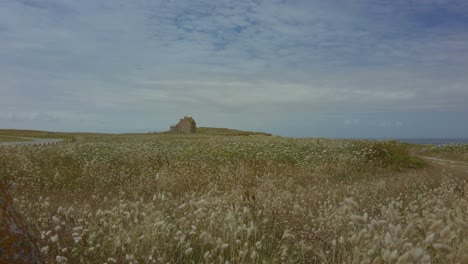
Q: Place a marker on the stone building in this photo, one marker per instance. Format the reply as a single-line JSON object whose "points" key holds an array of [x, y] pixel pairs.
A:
{"points": [[185, 125]]}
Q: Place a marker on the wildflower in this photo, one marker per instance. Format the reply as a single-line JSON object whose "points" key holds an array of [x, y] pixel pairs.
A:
{"points": [[54, 239], [462, 223], [445, 232], [358, 219], [377, 260], [45, 249], [253, 256], [77, 229], [351, 203], [61, 259], [206, 256], [56, 220], [429, 238], [417, 252], [287, 235], [442, 248], [436, 226]]}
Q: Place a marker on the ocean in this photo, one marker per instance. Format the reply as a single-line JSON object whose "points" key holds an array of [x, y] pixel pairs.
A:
{"points": [[434, 141]]}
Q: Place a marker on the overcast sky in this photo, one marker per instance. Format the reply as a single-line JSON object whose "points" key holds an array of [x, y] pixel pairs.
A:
{"points": [[360, 68]]}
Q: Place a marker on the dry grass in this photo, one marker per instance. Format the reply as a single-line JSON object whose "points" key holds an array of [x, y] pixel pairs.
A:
{"points": [[258, 199]]}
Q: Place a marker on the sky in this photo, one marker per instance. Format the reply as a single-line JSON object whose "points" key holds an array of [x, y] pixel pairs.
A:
{"points": [[311, 68]]}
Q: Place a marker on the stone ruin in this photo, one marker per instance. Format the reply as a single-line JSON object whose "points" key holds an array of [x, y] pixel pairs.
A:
{"points": [[17, 244], [185, 125]]}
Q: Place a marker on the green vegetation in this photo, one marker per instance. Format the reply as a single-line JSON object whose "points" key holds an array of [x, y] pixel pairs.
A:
{"points": [[394, 155], [67, 136], [222, 132], [211, 198], [228, 132], [33, 133], [11, 139]]}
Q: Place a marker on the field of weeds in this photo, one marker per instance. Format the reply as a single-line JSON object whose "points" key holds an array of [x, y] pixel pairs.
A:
{"points": [[240, 199]]}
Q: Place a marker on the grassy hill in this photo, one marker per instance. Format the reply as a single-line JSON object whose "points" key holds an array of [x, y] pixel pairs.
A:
{"points": [[11, 139], [68, 136], [221, 131], [227, 132]]}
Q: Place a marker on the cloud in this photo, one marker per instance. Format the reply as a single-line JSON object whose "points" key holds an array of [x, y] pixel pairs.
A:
{"points": [[390, 124], [352, 122], [127, 64], [22, 116]]}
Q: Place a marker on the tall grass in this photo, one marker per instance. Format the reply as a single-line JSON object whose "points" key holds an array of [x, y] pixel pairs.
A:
{"points": [[257, 199]]}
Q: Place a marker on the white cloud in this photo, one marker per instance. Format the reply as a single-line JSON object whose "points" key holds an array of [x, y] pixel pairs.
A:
{"points": [[353, 122], [105, 60], [21, 116], [390, 124]]}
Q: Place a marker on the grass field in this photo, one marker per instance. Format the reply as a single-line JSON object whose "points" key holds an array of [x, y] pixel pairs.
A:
{"points": [[11, 139], [217, 197], [67, 136]]}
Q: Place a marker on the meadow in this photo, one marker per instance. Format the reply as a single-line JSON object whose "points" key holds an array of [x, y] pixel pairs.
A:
{"points": [[237, 198]]}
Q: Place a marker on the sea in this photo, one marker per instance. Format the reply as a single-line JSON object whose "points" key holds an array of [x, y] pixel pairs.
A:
{"points": [[434, 141]]}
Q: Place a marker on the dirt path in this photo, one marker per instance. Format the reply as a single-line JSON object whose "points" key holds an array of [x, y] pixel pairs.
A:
{"points": [[445, 161], [33, 141], [457, 167]]}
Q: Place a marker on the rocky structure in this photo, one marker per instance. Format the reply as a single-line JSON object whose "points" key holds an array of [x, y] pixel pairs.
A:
{"points": [[185, 125], [16, 241]]}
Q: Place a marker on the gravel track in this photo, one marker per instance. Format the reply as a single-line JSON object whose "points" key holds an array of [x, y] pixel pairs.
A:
{"points": [[34, 141]]}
